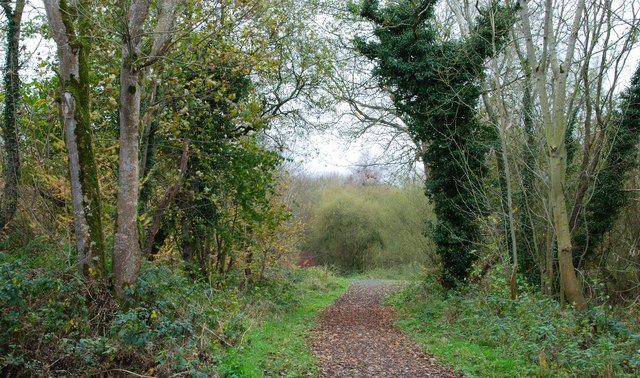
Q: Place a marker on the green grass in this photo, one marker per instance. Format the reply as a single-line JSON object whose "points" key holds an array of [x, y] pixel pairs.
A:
{"points": [[403, 272], [483, 333], [472, 359], [277, 346]]}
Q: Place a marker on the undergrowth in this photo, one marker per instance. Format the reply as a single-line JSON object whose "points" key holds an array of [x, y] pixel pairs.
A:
{"points": [[54, 323], [484, 333]]}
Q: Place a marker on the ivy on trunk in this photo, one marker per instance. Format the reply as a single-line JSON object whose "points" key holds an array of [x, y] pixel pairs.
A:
{"points": [[435, 87]]}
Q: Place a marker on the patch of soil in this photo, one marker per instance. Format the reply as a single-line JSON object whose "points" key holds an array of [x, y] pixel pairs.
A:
{"points": [[356, 338]]}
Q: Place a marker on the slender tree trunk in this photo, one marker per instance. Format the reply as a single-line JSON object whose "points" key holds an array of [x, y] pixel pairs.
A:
{"points": [[248, 261], [528, 238], [148, 147], [553, 107], [571, 286], [127, 253], [513, 283], [147, 126], [9, 202], [550, 255], [220, 256], [73, 53], [263, 263], [148, 155], [166, 200], [529, 248], [504, 175]]}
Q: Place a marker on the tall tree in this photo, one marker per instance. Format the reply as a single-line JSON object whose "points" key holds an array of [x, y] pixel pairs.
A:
{"points": [[9, 202], [127, 255], [551, 74], [71, 27], [435, 88]]}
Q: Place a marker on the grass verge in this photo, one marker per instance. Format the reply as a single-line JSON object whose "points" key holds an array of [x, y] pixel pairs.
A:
{"points": [[276, 346], [405, 272], [473, 359], [483, 333]]}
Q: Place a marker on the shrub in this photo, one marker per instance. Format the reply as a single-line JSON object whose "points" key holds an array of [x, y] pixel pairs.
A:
{"points": [[54, 323], [357, 228]]}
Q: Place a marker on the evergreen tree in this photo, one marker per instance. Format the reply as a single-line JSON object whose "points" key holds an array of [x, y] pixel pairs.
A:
{"points": [[435, 86]]}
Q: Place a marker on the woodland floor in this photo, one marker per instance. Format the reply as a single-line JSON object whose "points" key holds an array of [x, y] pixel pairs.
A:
{"points": [[356, 337]]}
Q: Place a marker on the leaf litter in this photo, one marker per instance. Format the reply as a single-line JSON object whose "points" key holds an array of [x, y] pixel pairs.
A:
{"points": [[355, 337]]}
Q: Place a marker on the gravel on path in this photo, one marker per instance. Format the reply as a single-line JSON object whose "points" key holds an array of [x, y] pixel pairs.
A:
{"points": [[355, 337]]}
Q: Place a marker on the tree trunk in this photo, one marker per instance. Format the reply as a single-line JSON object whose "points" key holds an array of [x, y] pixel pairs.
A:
{"points": [[127, 255], [529, 248], [504, 178], [148, 148], [570, 284], [166, 200], [74, 83], [553, 108], [513, 283], [248, 261], [9, 202], [549, 255]]}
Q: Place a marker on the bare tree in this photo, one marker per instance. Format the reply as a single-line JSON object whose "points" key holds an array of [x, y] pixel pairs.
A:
{"points": [[551, 73], [609, 34]]}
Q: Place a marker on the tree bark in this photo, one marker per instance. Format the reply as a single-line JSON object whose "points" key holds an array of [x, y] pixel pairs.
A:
{"points": [[73, 50], [127, 256], [127, 253], [9, 202], [570, 283], [513, 283]]}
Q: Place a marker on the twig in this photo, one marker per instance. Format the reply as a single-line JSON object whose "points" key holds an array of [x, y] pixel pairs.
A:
{"points": [[130, 372], [179, 374]]}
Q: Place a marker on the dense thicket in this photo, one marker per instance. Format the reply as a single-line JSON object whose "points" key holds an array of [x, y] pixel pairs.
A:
{"points": [[146, 135]]}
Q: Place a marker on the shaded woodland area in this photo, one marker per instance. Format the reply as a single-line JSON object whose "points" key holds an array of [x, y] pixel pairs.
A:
{"points": [[154, 206]]}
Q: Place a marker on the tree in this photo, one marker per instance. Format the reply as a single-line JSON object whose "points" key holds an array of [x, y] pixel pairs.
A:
{"points": [[70, 26], [127, 255], [549, 69], [493, 100], [435, 88], [9, 202], [608, 135]]}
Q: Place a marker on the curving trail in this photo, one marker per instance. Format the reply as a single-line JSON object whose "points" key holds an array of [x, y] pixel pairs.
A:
{"points": [[356, 338]]}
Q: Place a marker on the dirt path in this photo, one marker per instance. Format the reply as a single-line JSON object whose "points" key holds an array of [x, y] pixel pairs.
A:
{"points": [[356, 338]]}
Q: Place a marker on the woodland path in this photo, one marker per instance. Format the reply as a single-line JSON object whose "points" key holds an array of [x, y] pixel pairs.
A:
{"points": [[355, 337]]}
